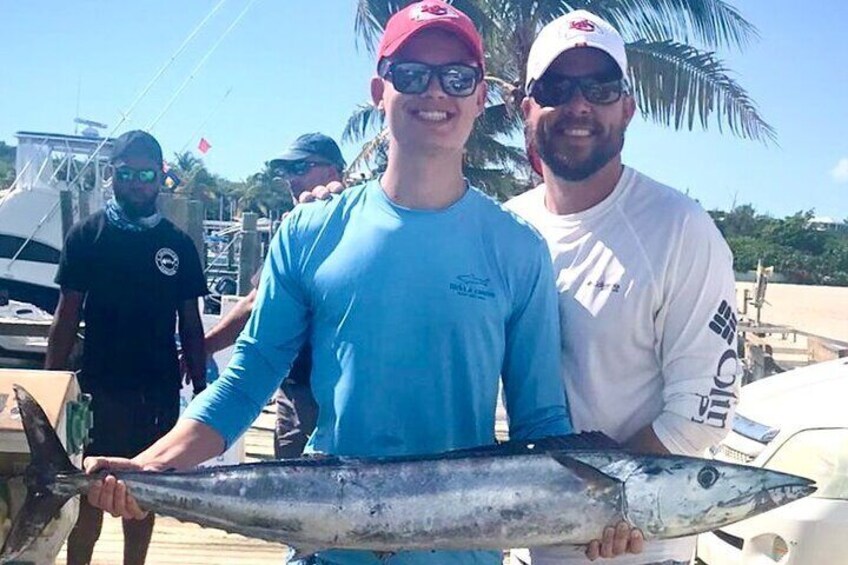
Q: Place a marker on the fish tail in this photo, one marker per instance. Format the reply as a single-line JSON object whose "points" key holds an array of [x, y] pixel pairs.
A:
{"points": [[47, 460]]}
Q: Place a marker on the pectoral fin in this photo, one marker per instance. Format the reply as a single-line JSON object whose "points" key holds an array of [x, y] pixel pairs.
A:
{"points": [[585, 471]]}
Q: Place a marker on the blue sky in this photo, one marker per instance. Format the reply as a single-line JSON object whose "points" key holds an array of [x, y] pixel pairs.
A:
{"points": [[294, 67]]}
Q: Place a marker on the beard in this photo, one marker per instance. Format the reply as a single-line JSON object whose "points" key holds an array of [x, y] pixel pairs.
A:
{"points": [[134, 209], [573, 164]]}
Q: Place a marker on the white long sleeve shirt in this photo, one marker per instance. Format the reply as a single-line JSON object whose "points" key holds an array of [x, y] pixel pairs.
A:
{"points": [[647, 309]]}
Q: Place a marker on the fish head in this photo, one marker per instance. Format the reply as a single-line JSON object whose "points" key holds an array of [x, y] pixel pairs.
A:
{"points": [[669, 497]]}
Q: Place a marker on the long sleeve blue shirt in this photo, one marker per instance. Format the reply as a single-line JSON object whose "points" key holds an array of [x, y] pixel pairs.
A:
{"points": [[413, 317]]}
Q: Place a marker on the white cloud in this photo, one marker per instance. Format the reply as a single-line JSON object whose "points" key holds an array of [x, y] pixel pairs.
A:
{"points": [[840, 171]]}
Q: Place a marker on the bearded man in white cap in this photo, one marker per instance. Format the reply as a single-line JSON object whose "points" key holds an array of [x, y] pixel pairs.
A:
{"points": [[645, 280]]}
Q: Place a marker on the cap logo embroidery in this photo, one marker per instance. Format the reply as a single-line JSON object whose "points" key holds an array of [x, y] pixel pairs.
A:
{"points": [[582, 25], [431, 12]]}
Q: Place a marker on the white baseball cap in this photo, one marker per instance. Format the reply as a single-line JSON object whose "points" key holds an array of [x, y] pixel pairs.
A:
{"points": [[575, 29]]}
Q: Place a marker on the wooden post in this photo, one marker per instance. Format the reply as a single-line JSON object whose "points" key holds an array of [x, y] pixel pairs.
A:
{"points": [[746, 296], [66, 202], [84, 199], [194, 227], [188, 216], [174, 208], [249, 253]]}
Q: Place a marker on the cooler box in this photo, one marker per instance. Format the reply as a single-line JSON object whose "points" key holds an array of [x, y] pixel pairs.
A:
{"points": [[68, 412]]}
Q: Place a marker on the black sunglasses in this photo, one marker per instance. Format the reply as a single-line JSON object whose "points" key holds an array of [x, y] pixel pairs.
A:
{"points": [[297, 168], [127, 174], [410, 77], [556, 90]]}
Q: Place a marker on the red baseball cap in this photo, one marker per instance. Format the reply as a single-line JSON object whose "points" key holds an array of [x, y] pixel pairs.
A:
{"points": [[429, 14]]}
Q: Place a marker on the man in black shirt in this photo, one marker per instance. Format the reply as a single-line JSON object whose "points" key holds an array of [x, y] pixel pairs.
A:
{"points": [[312, 160], [131, 274]]}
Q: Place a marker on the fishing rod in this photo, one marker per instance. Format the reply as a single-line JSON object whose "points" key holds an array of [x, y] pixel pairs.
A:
{"points": [[206, 120], [199, 65], [126, 114], [124, 117]]}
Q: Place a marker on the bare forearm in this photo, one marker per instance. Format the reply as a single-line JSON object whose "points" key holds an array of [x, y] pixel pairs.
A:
{"points": [[63, 331], [646, 441], [225, 332], [195, 356], [60, 342], [187, 445]]}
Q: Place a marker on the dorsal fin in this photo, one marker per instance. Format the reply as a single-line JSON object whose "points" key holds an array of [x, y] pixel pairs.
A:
{"points": [[583, 441]]}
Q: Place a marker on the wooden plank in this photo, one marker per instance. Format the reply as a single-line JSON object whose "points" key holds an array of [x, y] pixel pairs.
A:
{"points": [[25, 328], [177, 543], [825, 350]]}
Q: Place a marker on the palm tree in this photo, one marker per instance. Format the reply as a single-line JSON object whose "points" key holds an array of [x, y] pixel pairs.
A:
{"points": [[196, 180], [265, 194], [677, 78]]}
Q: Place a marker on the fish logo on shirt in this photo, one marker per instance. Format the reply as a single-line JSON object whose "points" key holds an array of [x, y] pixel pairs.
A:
{"points": [[167, 261], [472, 286], [471, 279]]}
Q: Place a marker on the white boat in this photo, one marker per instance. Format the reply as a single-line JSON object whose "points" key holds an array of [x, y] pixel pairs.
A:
{"points": [[22, 348], [31, 233]]}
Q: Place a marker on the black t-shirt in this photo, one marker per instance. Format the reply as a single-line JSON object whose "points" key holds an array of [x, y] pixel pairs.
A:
{"points": [[134, 283]]}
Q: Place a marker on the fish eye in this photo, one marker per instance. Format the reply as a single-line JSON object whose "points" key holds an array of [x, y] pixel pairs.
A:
{"points": [[707, 476]]}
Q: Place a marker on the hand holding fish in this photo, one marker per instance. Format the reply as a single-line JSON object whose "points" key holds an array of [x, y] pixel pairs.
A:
{"points": [[616, 541], [111, 494]]}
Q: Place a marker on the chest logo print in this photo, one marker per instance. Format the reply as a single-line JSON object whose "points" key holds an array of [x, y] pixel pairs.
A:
{"points": [[472, 286], [167, 261]]}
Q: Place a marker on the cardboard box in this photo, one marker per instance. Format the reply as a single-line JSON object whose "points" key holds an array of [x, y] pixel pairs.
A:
{"points": [[67, 410], [59, 395]]}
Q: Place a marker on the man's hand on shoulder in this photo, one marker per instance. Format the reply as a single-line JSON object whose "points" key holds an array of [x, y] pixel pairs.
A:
{"points": [[321, 192]]}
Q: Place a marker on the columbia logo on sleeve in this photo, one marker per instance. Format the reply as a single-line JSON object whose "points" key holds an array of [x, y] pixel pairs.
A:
{"points": [[724, 322]]}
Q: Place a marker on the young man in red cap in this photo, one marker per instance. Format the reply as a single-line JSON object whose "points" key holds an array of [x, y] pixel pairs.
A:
{"points": [[417, 292]]}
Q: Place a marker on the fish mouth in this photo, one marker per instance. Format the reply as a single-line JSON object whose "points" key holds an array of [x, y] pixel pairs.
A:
{"points": [[781, 490]]}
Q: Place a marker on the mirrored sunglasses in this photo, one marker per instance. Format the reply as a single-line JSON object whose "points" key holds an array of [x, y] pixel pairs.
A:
{"points": [[127, 174], [410, 77]]}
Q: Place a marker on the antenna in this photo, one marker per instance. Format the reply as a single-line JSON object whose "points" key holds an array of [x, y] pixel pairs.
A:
{"points": [[79, 92], [91, 130]]}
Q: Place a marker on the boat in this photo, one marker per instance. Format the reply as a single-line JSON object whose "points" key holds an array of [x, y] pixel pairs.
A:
{"points": [[31, 220], [22, 351]]}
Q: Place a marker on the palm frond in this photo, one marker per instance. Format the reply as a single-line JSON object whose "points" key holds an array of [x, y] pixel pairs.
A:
{"points": [[490, 152], [366, 118], [713, 24], [371, 18], [676, 84], [497, 182], [369, 151]]}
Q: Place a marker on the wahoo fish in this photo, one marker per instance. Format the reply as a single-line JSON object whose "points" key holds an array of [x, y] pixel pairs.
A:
{"points": [[562, 490]]}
